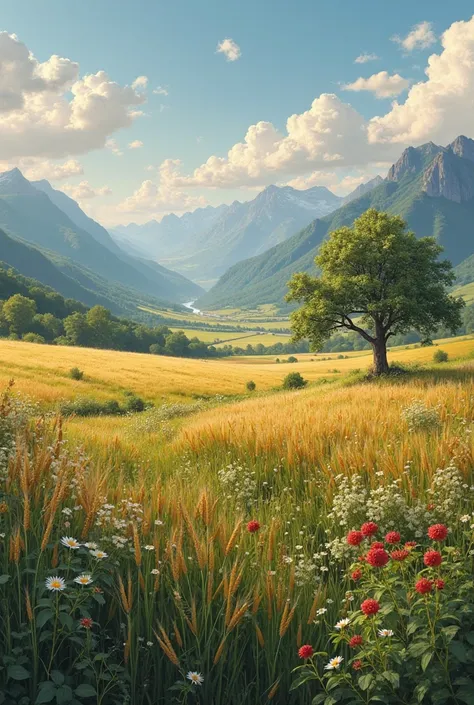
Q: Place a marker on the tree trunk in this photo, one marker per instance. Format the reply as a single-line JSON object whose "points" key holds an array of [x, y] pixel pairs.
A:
{"points": [[380, 356]]}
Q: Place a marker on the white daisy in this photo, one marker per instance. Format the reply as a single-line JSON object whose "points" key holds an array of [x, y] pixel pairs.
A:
{"points": [[84, 579], [91, 545], [334, 663], [99, 554], [465, 518], [342, 623], [322, 610], [155, 571], [385, 632], [55, 584], [70, 542], [195, 677]]}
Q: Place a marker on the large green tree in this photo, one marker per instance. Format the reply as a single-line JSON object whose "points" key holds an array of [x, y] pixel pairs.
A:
{"points": [[376, 279], [19, 311]]}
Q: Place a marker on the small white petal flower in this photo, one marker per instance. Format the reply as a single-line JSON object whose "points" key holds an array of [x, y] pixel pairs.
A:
{"points": [[195, 678], [465, 518], [342, 623], [385, 632], [99, 554], [84, 579], [91, 545], [70, 542], [155, 571], [322, 610], [334, 663], [55, 584], [149, 548]]}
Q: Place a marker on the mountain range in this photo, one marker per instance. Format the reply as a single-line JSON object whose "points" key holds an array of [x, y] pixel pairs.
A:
{"points": [[430, 186], [56, 230]]}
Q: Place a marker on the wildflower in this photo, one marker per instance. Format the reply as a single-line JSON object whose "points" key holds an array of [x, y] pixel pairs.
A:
{"points": [[437, 532], [306, 651], [377, 557], [356, 574], [432, 559], [342, 623], [424, 586], [369, 528], [155, 571], [439, 584], [91, 545], [86, 622], [400, 554], [334, 663], [99, 554], [55, 584], [158, 522], [357, 665], [356, 641], [465, 518], [410, 544], [322, 610], [149, 548], [83, 579], [385, 632], [253, 526], [195, 678], [70, 542], [393, 537], [369, 607], [354, 538]]}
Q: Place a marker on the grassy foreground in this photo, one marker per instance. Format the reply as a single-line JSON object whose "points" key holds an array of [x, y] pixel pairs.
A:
{"points": [[222, 533]]}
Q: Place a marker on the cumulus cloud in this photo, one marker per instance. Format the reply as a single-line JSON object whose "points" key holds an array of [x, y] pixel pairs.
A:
{"points": [[316, 178], [112, 145], [37, 169], [441, 107], [84, 191], [136, 144], [47, 110], [340, 184], [381, 84], [160, 90], [140, 83], [365, 58], [421, 36], [230, 49]]}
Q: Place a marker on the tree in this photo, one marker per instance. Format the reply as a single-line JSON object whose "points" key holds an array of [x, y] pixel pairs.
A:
{"points": [[377, 280], [294, 380], [18, 310]]}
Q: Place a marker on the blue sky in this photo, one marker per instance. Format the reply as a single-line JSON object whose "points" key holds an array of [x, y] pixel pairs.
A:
{"points": [[291, 53]]}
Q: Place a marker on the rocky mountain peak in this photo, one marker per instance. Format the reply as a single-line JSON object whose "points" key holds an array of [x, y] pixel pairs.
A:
{"points": [[463, 147], [450, 177], [14, 183]]}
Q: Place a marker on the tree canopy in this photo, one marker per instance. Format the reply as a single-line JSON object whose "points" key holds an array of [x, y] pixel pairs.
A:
{"points": [[377, 279]]}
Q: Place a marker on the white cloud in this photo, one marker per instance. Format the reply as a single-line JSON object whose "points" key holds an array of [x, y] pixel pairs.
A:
{"points": [[365, 58], [339, 183], [160, 90], [136, 144], [162, 197], [381, 84], [316, 178], [112, 145], [47, 110], [421, 36], [84, 191], [230, 49], [140, 83], [441, 107], [37, 169]]}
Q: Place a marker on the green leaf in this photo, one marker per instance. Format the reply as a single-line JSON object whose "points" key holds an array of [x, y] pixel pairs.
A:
{"points": [[318, 698], [64, 695], [450, 632], [425, 660], [66, 620], [4, 579], [418, 649], [330, 700], [85, 691], [365, 681], [17, 673], [392, 678], [47, 692], [57, 677], [459, 651], [43, 617]]}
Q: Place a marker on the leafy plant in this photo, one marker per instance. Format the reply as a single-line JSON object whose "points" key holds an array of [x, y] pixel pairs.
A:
{"points": [[294, 380], [440, 356], [76, 373]]}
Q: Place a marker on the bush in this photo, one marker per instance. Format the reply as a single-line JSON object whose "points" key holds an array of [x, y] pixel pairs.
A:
{"points": [[294, 381], [292, 359], [251, 386], [76, 373], [135, 404], [91, 407], [440, 356], [33, 338]]}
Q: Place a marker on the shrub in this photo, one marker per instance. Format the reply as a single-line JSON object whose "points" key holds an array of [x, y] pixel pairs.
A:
{"points": [[294, 380], [135, 404], [440, 356], [420, 417], [292, 359], [33, 338], [76, 373], [251, 386], [91, 407]]}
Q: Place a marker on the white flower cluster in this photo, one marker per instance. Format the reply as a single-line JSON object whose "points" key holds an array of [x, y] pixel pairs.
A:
{"points": [[239, 484], [420, 417]]}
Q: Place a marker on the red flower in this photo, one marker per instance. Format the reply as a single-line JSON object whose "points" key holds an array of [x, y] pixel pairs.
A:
{"points": [[410, 544], [306, 651], [354, 538], [356, 574], [430, 506], [356, 641], [437, 532], [357, 665], [439, 584], [377, 557], [393, 537], [432, 559], [86, 622], [377, 544], [253, 526], [400, 554], [369, 528], [424, 586], [369, 607]]}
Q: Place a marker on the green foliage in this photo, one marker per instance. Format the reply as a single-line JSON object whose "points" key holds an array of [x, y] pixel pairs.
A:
{"points": [[76, 373], [251, 386], [19, 311], [294, 380], [33, 338], [440, 356]]}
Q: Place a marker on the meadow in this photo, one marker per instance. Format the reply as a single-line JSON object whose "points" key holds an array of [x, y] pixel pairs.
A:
{"points": [[204, 538]]}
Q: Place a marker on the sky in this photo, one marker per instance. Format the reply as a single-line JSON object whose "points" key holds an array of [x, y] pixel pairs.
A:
{"points": [[138, 108]]}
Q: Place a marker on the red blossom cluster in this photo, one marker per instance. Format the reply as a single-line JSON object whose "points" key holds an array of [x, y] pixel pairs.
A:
{"points": [[356, 641], [253, 526], [393, 537], [399, 554], [437, 532], [377, 557], [370, 607], [86, 622], [305, 651]]}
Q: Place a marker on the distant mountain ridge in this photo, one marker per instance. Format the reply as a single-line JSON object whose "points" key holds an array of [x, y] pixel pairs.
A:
{"points": [[432, 187]]}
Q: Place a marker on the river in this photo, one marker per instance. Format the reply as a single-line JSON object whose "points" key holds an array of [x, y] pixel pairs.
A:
{"points": [[192, 308]]}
